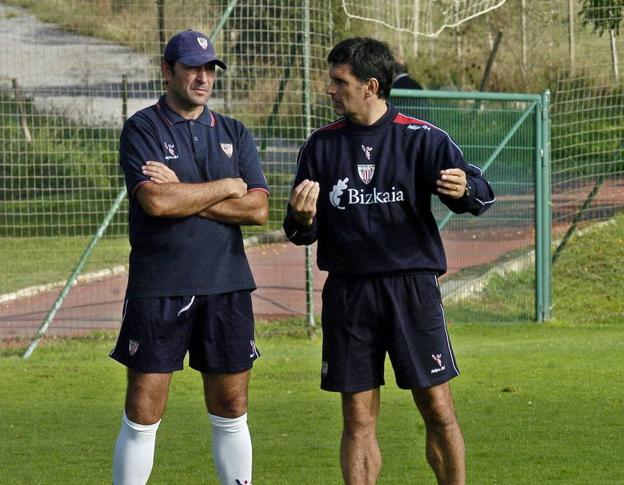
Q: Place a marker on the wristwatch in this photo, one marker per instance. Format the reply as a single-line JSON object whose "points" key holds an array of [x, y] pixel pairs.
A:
{"points": [[469, 190]]}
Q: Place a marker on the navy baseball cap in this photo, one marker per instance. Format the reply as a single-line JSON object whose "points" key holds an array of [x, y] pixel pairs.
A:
{"points": [[191, 49]]}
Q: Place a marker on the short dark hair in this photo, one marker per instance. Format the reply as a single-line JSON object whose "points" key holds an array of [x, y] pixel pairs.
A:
{"points": [[368, 58]]}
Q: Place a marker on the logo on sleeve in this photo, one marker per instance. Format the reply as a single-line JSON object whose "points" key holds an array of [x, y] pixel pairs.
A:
{"points": [[170, 149], [419, 127], [228, 149]]}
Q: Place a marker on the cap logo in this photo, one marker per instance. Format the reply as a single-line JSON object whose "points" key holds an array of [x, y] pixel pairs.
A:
{"points": [[202, 42]]}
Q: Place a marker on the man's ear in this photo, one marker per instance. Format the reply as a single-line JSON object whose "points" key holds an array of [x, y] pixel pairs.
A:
{"points": [[372, 87], [165, 69]]}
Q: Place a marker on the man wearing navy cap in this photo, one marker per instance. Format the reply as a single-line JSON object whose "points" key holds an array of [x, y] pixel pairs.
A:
{"points": [[193, 178]]}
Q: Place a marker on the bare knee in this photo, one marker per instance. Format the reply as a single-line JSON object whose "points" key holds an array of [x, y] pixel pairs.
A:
{"points": [[226, 394], [359, 414], [436, 407], [146, 396]]}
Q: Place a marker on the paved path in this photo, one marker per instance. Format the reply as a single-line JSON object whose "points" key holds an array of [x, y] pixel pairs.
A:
{"points": [[70, 74]]}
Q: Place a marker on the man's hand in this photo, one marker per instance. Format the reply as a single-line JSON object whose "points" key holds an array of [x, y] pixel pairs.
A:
{"points": [[159, 173], [303, 201], [452, 183]]}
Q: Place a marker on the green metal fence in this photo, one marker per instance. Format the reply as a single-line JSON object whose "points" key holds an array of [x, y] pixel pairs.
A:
{"points": [[507, 135]]}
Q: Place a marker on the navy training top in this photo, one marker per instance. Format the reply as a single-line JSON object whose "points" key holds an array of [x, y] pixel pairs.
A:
{"points": [[376, 182], [188, 255]]}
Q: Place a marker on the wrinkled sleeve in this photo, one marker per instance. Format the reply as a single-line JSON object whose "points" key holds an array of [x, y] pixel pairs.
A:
{"points": [[138, 144], [448, 155], [249, 164]]}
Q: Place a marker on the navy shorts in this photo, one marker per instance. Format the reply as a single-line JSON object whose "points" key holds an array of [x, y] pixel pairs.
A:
{"points": [[216, 330], [366, 317]]}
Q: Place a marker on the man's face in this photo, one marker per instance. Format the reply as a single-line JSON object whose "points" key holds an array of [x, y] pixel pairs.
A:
{"points": [[348, 94], [190, 87]]}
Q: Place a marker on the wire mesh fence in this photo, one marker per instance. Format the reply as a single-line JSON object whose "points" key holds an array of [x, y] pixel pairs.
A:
{"points": [[70, 72]]}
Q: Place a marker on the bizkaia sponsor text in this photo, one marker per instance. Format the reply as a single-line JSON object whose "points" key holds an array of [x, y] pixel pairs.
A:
{"points": [[375, 197]]}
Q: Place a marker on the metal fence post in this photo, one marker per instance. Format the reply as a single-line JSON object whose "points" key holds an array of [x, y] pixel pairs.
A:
{"points": [[542, 212], [307, 106], [547, 208]]}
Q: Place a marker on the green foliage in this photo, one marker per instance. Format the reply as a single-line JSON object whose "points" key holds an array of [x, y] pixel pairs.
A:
{"points": [[586, 288], [603, 15], [63, 158]]}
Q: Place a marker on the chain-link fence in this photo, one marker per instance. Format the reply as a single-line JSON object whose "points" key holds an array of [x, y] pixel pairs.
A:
{"points": [[70, 72]]}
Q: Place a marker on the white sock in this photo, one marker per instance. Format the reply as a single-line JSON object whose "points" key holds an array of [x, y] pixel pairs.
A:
{"points": [[231, 449], [134, 453]]}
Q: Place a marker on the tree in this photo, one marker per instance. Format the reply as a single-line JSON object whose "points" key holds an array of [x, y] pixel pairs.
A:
{"points": [[605, 16]]}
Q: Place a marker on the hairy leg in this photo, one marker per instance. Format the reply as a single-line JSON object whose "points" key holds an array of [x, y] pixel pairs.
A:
{"points": [[360, 456], [445, 442], [226, 394], [146, 396]]}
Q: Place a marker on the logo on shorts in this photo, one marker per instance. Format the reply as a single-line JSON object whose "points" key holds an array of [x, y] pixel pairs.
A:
{"points": [[133, 346], [437, 358], [324, 368], [244, 482], [254, 350]]}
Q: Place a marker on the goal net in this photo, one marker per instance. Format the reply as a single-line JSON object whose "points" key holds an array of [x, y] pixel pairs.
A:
{"points": [[419, 17]]}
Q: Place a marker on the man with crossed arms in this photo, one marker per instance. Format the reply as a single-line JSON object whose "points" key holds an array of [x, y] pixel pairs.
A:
{"points": [[193, 177]]}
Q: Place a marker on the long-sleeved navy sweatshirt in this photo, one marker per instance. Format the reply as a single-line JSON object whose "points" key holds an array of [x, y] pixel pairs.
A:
{"points": [[376, 183]]}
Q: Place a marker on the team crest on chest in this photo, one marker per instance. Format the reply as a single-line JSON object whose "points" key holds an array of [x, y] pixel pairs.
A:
{"points": [[228, 149], [366, 172]]}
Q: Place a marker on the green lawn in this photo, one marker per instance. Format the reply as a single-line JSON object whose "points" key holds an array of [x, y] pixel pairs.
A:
{"points": [[537, 403]]}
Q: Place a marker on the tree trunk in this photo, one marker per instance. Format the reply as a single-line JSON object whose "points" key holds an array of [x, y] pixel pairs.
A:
{"points": [[571, 39], [614, 58]]}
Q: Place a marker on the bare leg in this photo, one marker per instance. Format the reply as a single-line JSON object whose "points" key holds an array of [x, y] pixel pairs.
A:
{"points": [[226, 394], [146, 397], [360, 457], [445, 442]]}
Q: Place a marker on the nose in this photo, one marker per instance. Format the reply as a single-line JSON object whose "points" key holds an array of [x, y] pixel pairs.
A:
{"points": [[330, 88], [204, 73]]}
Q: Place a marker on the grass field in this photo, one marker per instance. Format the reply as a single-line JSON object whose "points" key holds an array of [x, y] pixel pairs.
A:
{"points": [[538, 404]]}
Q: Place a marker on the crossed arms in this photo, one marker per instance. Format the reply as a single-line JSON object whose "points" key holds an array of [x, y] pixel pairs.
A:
{"points": [[226, 200]]}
